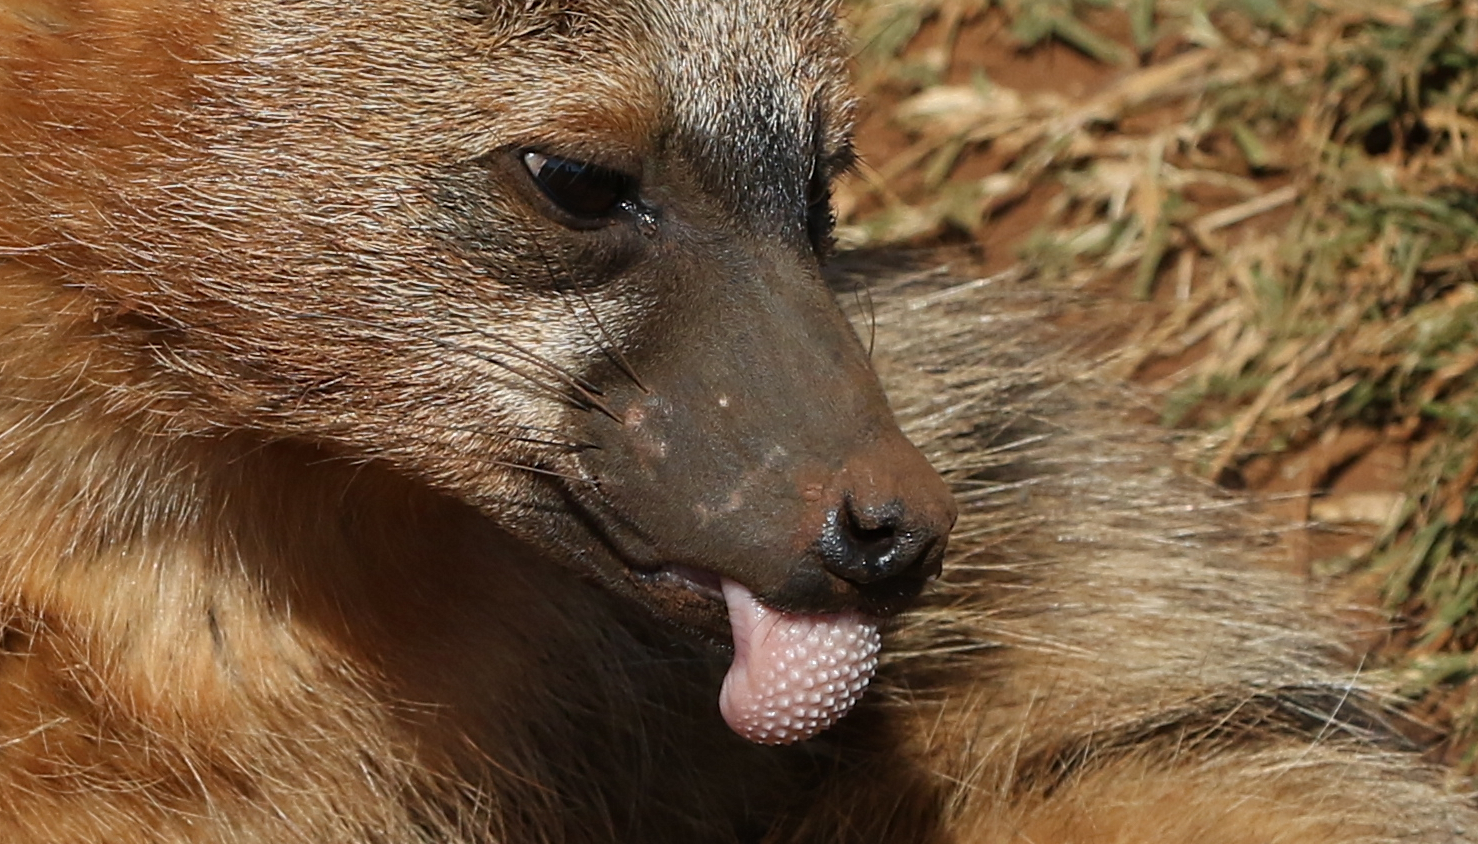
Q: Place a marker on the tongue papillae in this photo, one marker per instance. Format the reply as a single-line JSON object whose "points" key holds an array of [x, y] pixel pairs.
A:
{"points": [[793, 675]]}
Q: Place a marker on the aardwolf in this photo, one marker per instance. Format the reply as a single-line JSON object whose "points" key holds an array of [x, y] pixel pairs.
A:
{"points": [[427, 421]]}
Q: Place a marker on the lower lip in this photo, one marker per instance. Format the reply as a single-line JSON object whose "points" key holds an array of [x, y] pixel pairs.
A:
{"points": [[689, 597], [704, 583]]}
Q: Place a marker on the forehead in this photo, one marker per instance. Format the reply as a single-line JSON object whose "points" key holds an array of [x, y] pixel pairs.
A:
{"points": [[718, 58], [747, 91], [754, 88]]}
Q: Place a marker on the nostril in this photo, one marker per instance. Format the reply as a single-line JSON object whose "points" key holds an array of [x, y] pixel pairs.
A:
{"points": [[869, 545], [874, 544]]}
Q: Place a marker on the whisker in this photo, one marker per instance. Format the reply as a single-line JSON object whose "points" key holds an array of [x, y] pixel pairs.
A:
{"points": [[494, 434], [872, 313], [611, 347], [551, 388], [581, 400], [409, 437], [586, 395], [587, 391], [583, 394]]}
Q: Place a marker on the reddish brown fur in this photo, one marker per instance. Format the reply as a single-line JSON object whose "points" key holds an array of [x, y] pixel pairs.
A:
{"points": [[222, 622]]}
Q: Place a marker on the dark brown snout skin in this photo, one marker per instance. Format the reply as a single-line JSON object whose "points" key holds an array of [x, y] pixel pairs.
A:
{"points": [[759, 447]]}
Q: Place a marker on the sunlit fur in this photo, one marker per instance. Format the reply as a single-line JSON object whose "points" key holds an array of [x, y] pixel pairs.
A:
{"points": [[249, 412]]}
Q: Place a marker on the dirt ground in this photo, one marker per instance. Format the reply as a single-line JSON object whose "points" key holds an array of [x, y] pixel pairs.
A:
{"points": [[1332, 493], [1334, 484]]}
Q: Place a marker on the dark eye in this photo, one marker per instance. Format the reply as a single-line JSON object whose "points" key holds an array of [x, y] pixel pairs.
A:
{"points": [[580, 190]]}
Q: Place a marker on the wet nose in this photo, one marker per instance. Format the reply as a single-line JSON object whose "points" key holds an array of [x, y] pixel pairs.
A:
{"points": [[868, 545], [884, 532]]}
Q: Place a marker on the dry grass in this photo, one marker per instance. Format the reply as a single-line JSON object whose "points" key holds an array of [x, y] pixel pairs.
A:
{"points": [[1292, 183]]}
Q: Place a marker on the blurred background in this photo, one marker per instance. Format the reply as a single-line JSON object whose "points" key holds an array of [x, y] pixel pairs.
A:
{"points": [[1263, 214]]}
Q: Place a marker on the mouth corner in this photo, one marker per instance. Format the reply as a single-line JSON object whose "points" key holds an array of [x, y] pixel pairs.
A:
{"points": [[693, 598], [689, 597], [701, 581]]}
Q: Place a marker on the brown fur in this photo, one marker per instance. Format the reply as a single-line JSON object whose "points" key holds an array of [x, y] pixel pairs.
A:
{"points": [[247, 597]]}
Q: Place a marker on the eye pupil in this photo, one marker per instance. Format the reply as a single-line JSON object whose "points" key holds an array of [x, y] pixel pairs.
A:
{"points": [[587, 191]]}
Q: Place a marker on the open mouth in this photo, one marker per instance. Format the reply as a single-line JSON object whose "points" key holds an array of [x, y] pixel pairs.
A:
{"points": [[705, 583], [690, 597], [793, 674]]}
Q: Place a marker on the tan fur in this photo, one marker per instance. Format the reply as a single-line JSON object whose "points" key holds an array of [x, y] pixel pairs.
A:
{"points": [[247, 598]]}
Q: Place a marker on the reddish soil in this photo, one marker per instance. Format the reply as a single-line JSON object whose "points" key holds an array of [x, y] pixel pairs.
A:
{"points": [[984, 45], [1333, 488]]}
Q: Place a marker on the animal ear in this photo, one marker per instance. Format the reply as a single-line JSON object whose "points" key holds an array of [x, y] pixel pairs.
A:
{"points": [[835, 157], [821, 217]]}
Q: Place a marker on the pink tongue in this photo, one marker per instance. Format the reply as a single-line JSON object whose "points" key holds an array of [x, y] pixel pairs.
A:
{"points": [[793, 675]]}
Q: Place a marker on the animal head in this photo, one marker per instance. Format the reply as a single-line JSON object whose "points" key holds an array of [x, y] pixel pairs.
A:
{"points": [[556, 258]]}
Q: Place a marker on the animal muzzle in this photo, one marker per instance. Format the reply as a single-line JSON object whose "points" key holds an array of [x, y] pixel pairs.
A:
{"points": [[800, 560], [755, 488], [820, 508], [883, 527]]}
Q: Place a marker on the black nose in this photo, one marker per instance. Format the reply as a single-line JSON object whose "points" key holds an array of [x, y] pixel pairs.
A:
{"points": [[879, 545]]}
